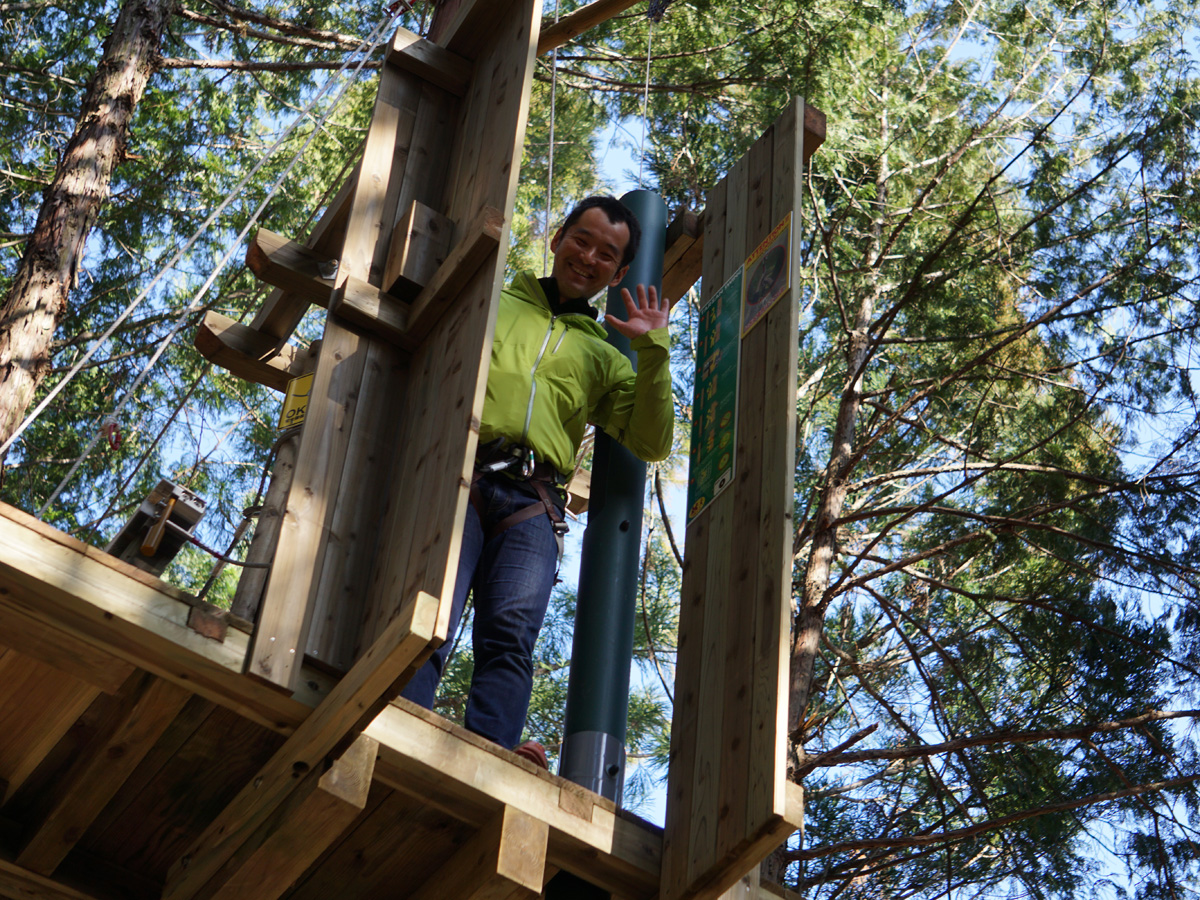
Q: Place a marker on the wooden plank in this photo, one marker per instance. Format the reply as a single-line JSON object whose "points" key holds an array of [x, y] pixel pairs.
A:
{"points": [[401, 529], [429, 61], [717, 717], [196, 714], [467, 26], [299, 831], [351, 705], [753, 190], [480, 240], [372, 310], [504, 860], [148, 706], [420, 243], [756, 845], [384, 401], [397, 841], [296, 269], [447, 767], [449, 370], [682, 773], [281, 312], [62, 652], [744, 643], [814, 133], [247, 597], [283, 262], [772, 601], [746, 887], [339, 603], [288, 607], [260, 555], [123, 611], [248, 354], [569, 27], [171, 797], [41, 705], [19, 882]]}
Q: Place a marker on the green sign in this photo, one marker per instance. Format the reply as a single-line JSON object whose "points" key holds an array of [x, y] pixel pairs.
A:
{"points": [[714, 404]]}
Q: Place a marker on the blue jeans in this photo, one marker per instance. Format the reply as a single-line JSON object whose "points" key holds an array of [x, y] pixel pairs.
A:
{"points": [[512, 575]]}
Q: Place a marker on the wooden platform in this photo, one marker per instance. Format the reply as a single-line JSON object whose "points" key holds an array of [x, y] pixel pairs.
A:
{"points": [[125, 730]]}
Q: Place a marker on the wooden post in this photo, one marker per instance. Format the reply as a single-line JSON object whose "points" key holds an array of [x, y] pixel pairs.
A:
{"points": [[728, 802], [248, 596]]}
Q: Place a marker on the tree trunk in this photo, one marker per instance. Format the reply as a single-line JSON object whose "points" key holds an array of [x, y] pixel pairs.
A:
{"points": [[810, 616], [38, 297]]}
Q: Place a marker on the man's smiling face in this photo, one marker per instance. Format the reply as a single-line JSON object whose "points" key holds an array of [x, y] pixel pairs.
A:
{"points": [[588, 254]]}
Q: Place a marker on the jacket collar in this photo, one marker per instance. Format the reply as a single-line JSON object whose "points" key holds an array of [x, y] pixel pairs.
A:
{"points": [[530, 289]]}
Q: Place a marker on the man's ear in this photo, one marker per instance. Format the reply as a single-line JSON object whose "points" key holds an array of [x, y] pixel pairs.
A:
{"points": [[555, 240], [617, 278]]}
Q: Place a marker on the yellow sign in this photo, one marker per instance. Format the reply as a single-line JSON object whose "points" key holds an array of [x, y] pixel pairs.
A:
{"points": [[296, 403]]}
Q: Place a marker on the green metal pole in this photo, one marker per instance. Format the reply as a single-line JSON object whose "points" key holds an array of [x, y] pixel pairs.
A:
{"points": [[593, 752]]}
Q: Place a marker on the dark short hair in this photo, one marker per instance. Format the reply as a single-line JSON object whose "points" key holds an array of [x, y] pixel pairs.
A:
{"points": [[617, 212]]}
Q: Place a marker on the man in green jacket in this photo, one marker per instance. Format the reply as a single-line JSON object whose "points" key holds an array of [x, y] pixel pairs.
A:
{"points": [[551, 373]]}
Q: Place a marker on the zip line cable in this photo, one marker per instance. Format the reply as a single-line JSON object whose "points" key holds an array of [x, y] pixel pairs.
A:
{"points": [[645, 102], [371, 43], [550, 164]]}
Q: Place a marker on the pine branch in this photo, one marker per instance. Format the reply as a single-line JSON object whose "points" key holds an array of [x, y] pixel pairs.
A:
{"points": [[996, 824], [237, 65], [836, 758]]}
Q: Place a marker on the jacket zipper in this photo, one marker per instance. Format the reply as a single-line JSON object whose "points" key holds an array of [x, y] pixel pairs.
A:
{"points": [[533, 379]]}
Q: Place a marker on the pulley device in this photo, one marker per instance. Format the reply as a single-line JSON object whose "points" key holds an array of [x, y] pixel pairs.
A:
{"points": [[162, 524]]}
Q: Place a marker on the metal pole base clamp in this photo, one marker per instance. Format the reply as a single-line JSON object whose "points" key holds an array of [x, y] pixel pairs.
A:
{"points": [[594, 760]]}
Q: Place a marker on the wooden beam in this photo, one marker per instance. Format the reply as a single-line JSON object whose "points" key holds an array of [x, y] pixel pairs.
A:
{"points": [[579, 491], [286, 612], [248, 354], [50, 704], [480, 238], [261, 552], [464, 26], [504, 860], [381, 314], [555, 34], [16, 881], [350, 706], [683, 258], [304, 826], [282, 262], [291, 266], [428, 757], [814, 131], [420, 243], [148, 705], [117, 608], [281, 312], [429, 61], [63, 652]]}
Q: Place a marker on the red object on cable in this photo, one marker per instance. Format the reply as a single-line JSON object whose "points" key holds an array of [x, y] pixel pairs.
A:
{"points": [[111, 429]]}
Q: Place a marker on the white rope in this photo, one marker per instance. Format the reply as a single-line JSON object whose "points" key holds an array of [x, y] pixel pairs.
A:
{"points": [[371, 43], [550, 173], [645, 103]]}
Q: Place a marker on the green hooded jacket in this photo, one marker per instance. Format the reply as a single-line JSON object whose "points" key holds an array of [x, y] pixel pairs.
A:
{"points": [[551, 375]]}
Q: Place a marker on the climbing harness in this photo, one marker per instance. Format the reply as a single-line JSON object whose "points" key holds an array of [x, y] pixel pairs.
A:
{"points": [[519, 463]]}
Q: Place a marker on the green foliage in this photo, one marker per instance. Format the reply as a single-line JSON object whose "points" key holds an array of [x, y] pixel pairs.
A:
{"points": [[1004, 209]]}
